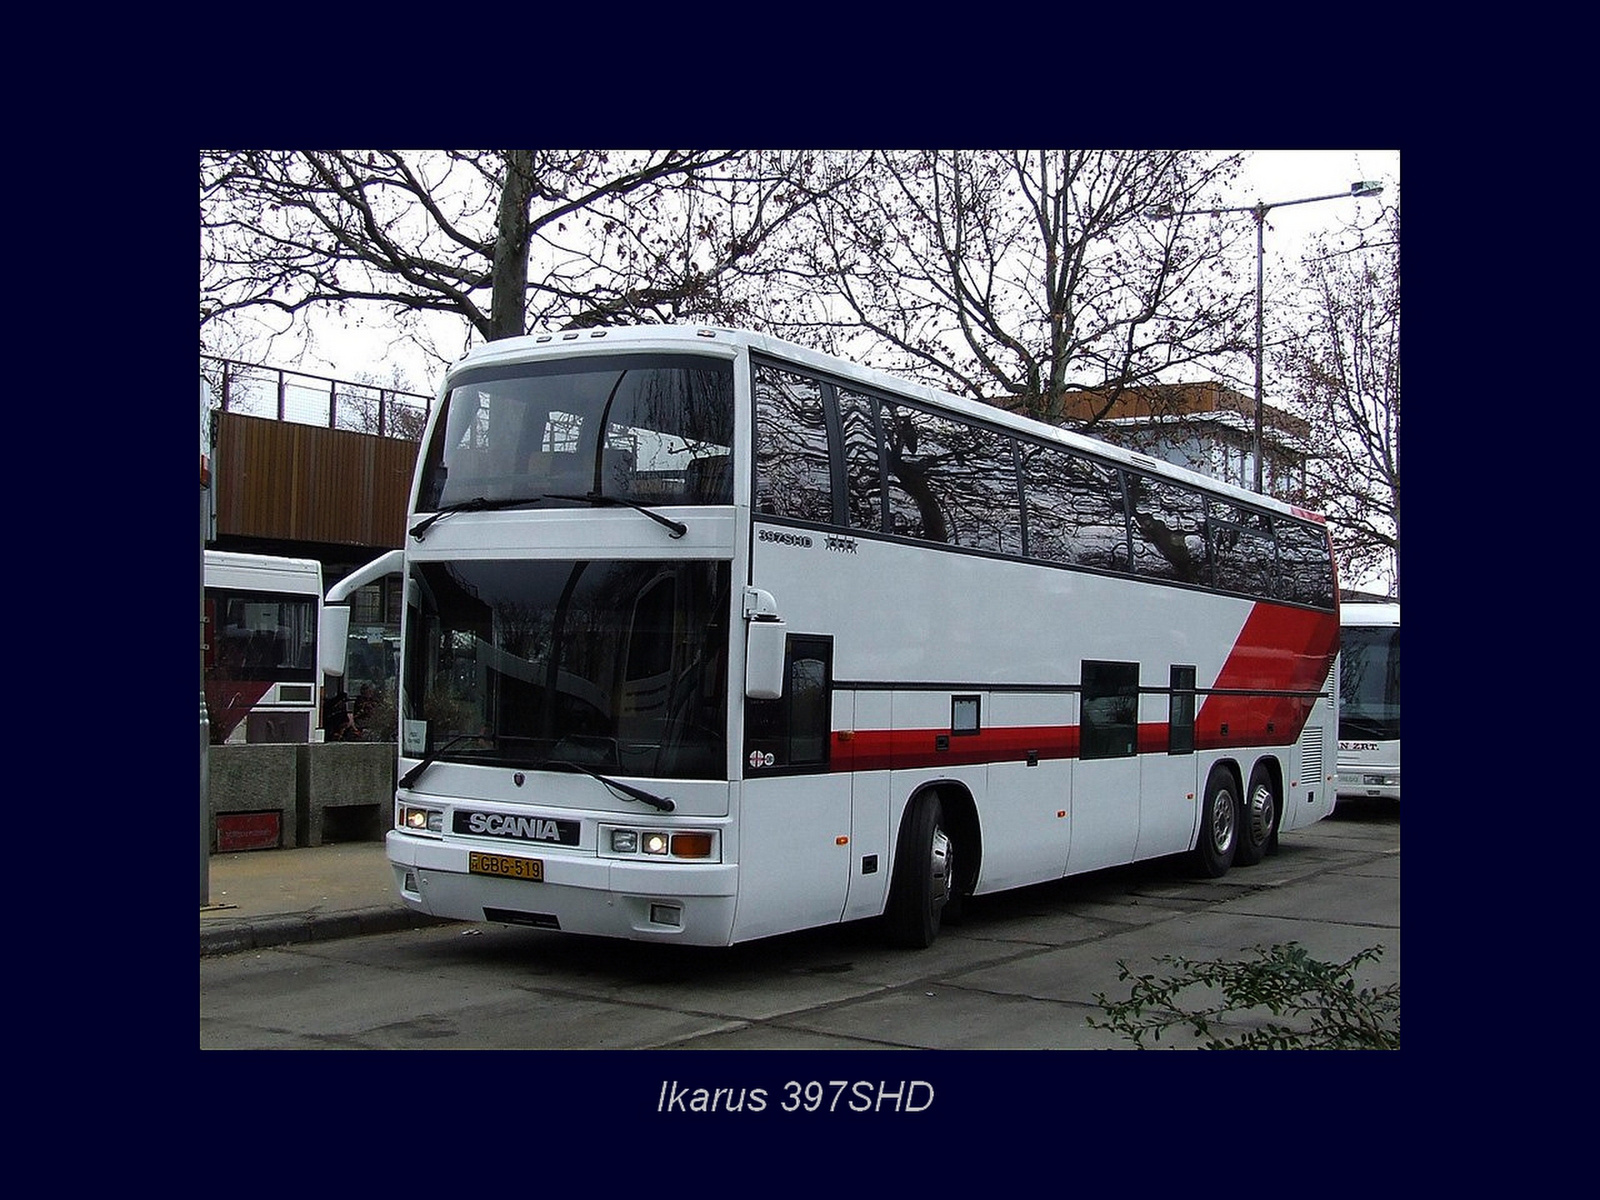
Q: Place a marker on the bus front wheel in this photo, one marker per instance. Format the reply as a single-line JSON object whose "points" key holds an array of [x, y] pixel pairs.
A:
{"points": [[923, 876], [1219, 826]]}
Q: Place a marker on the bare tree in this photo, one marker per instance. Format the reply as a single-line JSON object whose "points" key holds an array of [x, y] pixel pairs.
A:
{"points": [[502, 239], [1023, 277], [1343, 373]]}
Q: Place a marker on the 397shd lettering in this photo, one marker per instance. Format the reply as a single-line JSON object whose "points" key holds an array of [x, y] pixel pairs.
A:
{"points": [[796, 1096]]}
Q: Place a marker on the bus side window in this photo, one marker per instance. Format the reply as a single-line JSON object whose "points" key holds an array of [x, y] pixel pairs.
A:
{"points": [[794, 474], [793, 732], [1305, 564], [1074, 509], [1180, 711], [1110, 721], [858, 420]]}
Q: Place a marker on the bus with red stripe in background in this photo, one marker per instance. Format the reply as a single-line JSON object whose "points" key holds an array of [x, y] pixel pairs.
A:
{"points": [[261, 670], [709, 637]]}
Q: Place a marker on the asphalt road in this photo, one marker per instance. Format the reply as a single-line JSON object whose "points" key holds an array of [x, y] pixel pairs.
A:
{"points": [[1021, 972]]}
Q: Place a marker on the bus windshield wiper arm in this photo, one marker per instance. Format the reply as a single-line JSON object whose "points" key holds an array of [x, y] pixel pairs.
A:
{"points": [[484, 504], [678, 528], [639, 794], [476, 504], [432, 757]]}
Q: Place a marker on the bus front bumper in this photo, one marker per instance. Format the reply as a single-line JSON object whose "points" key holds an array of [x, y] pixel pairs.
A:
{"points": [[1358, 784], [668, 902]]}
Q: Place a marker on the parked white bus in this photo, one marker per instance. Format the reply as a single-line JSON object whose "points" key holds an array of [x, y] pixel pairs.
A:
{"points": [[1369, 701], [708, 637], [260, 652]]}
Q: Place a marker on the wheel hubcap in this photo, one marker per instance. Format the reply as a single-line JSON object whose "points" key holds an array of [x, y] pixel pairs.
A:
{"points": [[1222, 823], [1262, 811], [942, 866]]}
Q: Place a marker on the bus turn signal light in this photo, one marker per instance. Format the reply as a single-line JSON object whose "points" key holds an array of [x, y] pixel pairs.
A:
{"points": [[691, 845]]}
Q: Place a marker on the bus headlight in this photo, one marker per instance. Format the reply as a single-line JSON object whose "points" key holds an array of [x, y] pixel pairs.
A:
{"points": [[414, 818]]}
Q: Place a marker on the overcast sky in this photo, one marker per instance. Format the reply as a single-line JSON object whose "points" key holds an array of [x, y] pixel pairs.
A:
{"points": [[1270, 176], [1274, 176]]}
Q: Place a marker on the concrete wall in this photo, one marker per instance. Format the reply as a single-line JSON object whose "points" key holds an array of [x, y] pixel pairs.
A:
{"points": [[321, 792]]}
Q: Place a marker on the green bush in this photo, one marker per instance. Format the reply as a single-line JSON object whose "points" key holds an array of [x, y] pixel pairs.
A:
{"points": [[1312, 1005]]}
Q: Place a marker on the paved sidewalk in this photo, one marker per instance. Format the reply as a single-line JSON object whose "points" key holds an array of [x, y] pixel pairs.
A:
{"points": [[264, 898]]}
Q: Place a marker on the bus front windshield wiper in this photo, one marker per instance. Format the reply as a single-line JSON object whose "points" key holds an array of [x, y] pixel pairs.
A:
{"points": [[432, 757], [677, 528], [484, 504], [476, 504], [621, 789]]}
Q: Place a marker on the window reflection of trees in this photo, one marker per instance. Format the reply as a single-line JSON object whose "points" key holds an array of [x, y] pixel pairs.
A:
{"points": [[1075, 510], [1305, 565], [1169, 526], [1243, 549], [858, 417], [934, 477], [793, 475], [949, 481]]}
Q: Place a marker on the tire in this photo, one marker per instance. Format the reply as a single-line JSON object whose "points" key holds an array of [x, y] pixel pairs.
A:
{"points": [[1219, 827], [1258, 824], [922, 876]]}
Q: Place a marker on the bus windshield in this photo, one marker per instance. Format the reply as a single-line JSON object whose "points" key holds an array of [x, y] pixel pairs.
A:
{"points": [[650, 429], [612, 665], [1369, 683]]}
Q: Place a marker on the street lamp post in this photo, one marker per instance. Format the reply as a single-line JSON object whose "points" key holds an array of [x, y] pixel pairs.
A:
{"points": [[1258, 211]]}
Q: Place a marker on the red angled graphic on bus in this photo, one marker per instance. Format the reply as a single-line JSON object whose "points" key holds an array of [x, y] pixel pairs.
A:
{"points": [[229, 702]]}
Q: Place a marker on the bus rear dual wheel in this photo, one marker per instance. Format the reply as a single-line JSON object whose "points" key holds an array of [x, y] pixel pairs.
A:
{"points": [[1258, 823], [1235, 831]]}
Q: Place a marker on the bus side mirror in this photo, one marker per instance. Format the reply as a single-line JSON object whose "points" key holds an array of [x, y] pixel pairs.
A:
{"points": [[332, 638], [765, 646]]}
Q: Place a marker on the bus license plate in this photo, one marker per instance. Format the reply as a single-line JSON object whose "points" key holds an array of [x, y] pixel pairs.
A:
{"points": [[505, 865]]}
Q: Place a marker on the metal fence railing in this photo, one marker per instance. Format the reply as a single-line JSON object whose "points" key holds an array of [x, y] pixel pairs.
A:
{"points": [[276, 393]]}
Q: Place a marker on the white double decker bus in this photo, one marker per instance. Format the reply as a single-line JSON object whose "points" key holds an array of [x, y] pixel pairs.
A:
{"points": [[708, 637]]}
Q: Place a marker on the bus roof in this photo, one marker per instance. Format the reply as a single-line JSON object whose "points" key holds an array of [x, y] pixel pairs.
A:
{"points": [[716, 339], [263, 570]]}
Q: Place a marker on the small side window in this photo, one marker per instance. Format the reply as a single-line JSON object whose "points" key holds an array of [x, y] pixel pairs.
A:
{"points": [[1110, 725], [1180, 712], [966, 715], [793, 733]]}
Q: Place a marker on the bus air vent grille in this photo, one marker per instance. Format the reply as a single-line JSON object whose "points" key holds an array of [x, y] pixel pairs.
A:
{"points": [[1311, 756]]}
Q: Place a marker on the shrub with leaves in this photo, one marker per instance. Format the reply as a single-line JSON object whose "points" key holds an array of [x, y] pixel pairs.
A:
{"points": [[1282, 999]]}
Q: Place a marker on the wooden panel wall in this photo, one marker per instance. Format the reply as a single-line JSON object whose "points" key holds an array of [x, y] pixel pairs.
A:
{"points": [[277, 479]]}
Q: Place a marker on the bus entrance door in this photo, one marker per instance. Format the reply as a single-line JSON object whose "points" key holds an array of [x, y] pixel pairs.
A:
{"points": [[1105, 784], [794, 816]]}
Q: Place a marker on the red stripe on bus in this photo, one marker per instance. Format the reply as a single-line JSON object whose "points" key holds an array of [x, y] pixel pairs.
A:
{"points": [[1282, 650], [1278, 650], [897, 749], [906, 749]]}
